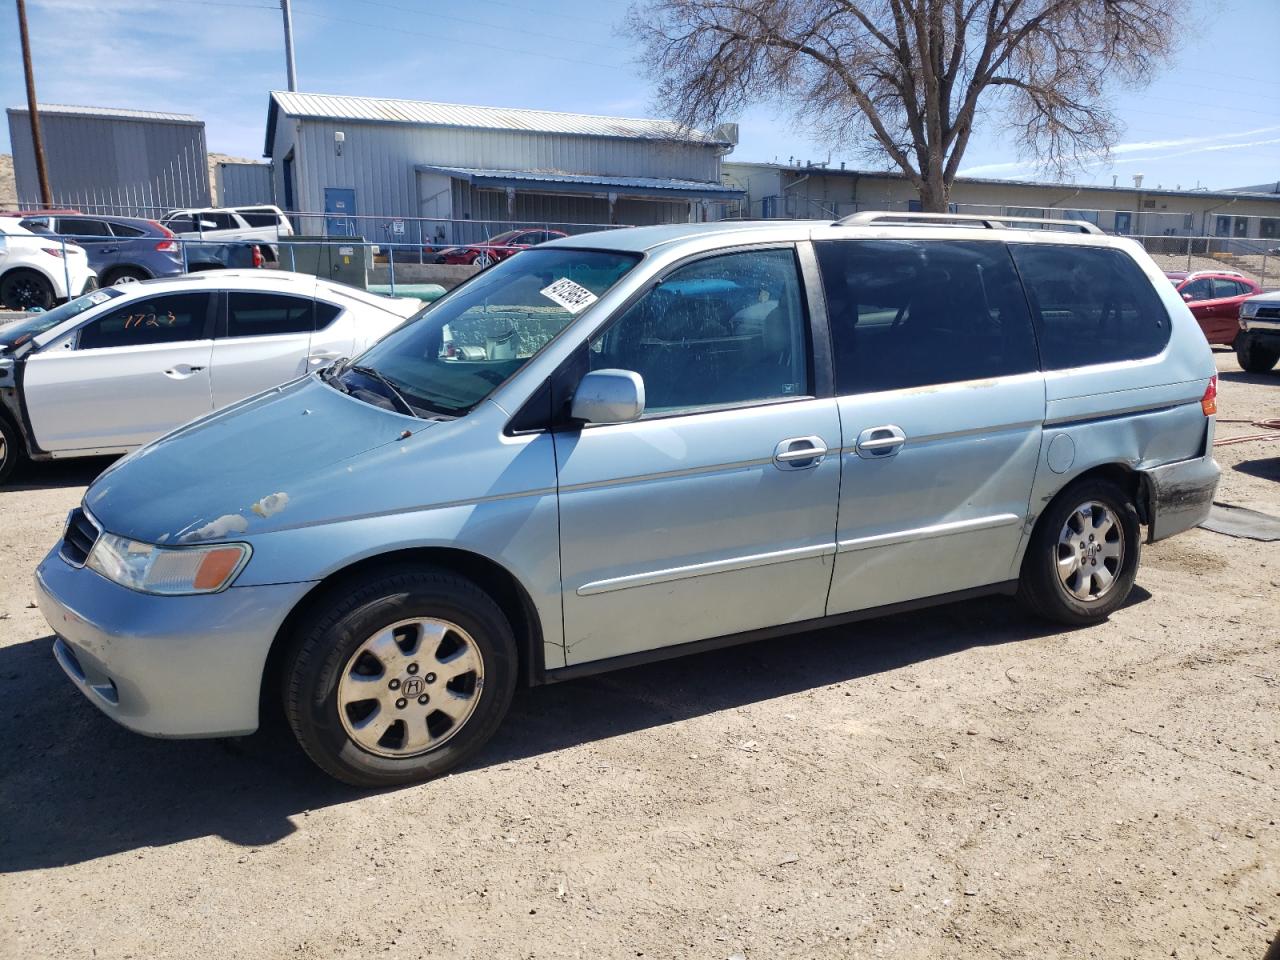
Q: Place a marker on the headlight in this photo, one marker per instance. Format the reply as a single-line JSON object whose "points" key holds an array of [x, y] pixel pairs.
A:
{"points": [[167, 570], [1248, 308]]}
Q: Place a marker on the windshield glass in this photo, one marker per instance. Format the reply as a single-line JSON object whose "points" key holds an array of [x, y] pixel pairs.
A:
{"points": [[16, 334], [463, 347]]}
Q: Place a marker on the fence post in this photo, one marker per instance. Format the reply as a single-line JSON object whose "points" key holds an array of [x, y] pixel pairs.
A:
{"points": [[182, 245], [1189, 240], [391, 267], [66, 268]]}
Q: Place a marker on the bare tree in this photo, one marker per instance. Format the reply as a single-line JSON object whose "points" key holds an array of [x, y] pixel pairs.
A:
{"points": [[912, 76]]}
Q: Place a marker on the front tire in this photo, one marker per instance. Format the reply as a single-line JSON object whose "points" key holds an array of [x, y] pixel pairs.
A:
{"points": [[400, 676], [11, 452], [1083, 555], [24, 289], [1253, 356]]}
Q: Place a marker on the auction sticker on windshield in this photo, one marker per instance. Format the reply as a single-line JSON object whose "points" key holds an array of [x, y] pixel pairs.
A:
{"points": [[574, 297]]}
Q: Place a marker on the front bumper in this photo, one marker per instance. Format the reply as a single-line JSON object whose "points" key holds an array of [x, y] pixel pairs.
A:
{"points": [[164, 666], [1180, 496], [1263, 331]]}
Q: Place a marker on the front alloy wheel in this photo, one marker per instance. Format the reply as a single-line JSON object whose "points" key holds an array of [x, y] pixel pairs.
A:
{"points": [[399, 674]]}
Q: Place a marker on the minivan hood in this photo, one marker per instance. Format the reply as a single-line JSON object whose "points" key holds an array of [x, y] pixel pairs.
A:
{"points": [[256, 466]]}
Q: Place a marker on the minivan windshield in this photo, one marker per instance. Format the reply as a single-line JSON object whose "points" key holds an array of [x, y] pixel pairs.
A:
{"points": [[464, 346], [16, 334]]}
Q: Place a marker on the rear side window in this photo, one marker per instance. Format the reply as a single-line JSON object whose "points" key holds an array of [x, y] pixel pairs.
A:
{"points": [[1227, 288], [264, 314], [169, 318], [1090, 305], [913, 313], [124, 230], [260, 218]]}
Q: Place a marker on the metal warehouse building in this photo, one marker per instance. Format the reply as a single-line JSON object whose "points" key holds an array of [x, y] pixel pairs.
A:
{"points": [[108, 160], [369, 166]]}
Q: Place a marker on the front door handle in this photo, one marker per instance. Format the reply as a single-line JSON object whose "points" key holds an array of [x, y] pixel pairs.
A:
{"points": [[799, 453], [878, 443], [181, 371]]}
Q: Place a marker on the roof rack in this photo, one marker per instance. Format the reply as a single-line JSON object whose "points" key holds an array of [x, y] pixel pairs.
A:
{"points": [[958, 219]]}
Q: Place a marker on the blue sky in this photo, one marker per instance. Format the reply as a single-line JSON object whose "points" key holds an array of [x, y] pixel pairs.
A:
{"points": [[1212, 119]]}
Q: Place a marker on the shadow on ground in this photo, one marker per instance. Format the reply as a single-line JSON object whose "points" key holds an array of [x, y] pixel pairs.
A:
{"points": [[74, 786], [1261, 379], [1267, 468], [48, 474]]}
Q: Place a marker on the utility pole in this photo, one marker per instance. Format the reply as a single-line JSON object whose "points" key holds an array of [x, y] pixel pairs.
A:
{"points": [[37, 144], [288, 45]]}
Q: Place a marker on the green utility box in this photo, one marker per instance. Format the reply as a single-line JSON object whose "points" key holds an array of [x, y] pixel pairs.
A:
{"points": [[341, 259]]}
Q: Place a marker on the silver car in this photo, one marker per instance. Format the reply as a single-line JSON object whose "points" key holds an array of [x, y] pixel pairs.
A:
{"points": [[632, 445]]}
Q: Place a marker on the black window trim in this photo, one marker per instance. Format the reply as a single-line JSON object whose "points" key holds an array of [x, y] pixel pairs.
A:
{"points": [[209, 318], [817, 337], [222, 327]]}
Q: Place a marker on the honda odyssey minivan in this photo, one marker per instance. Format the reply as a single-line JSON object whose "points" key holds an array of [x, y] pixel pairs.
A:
{"points": [[635, 444]]}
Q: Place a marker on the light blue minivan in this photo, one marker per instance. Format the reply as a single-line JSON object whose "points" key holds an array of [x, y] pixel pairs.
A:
{"points": [[634, 444]]}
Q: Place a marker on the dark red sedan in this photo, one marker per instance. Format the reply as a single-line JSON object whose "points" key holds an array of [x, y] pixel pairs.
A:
{"points": [[1214, 298], [497, 247]]}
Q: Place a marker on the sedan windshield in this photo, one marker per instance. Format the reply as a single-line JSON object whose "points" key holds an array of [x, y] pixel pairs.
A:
{"points": [[464, 346], [16, 334]]}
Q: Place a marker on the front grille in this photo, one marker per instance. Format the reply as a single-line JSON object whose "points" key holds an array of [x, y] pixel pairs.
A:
{"points": [[79, 537], [1268, 313]]}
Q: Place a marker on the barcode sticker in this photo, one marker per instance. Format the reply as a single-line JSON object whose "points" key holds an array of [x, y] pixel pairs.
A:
{"points": [[574, 297]]}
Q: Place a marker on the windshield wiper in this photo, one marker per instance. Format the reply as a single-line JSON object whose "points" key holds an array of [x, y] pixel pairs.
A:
{"points": [[396, 395], [330, 374]]}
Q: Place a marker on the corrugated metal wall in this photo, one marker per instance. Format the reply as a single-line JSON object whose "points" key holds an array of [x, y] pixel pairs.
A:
{"points": [[112, 164], [243, 184], [378, 160]]}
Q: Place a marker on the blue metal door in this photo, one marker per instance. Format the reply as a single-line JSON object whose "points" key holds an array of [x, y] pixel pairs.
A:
{"points": [[339, 208]]}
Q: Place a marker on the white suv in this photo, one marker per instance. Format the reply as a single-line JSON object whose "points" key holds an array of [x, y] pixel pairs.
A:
{"points": [[38, 271], [260, 224]]}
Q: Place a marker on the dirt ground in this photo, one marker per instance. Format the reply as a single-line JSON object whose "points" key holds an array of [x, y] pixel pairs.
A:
{"points": [[964, 782]]}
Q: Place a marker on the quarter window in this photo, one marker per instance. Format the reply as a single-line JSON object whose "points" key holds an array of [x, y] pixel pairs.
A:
{"points": [[1090, 305], [264, 314], [722, 331], [909, 313], [171, 318], [124, 230]]}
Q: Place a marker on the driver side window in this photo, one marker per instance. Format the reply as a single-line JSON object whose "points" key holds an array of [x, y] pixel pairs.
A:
{"points": [[722, 331], [172, 318]]}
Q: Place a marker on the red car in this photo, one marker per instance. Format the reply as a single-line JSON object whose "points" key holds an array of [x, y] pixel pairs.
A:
{"points": [[1214, 298], [497, 248]]}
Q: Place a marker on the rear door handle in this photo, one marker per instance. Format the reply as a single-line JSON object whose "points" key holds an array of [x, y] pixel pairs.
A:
{"points": [[799, 453], [878, 443]]}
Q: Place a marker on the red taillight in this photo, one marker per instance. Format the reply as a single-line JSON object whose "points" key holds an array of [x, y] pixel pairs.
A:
{"points": [[167, 246], [53, 252], [1209, 402], [257, 256]]}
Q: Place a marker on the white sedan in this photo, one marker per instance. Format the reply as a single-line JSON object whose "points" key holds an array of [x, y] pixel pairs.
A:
{"points": [[111, 370]]}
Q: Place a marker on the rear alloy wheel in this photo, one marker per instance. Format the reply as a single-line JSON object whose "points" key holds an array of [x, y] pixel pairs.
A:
{"points": [[26, 289], [483, 260], [125, 276], [399, 676], [1253, 356], [1083, 556]]}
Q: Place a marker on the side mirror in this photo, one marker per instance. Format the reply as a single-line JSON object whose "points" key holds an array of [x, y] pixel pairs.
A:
{"points": [[1187, 297], [609, 396]]}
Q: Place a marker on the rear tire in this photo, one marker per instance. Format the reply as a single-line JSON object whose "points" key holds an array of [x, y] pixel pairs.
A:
{"points": [[1254, 357], [1083, 556], [124, 276], [11, 449], [23, 289], [399, 676]]}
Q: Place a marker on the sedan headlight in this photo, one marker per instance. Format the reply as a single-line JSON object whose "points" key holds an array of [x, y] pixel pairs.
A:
{"points": [[1248, 308], [169, 571]]}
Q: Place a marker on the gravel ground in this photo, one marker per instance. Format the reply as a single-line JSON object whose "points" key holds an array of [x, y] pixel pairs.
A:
{"points": [[964, 782]]}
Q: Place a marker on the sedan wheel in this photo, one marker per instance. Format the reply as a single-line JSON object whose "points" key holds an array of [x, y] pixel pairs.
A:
{"points": [[25, 289], [410, 687], [483, 260]]}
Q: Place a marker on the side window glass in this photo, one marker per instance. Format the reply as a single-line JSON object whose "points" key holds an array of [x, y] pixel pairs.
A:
{"points": [[76, 227], [264, 314], [259, 218], [124, 230], [1091, 305], [1199, 290], [910, 313], [326, 313], [726, 330], [1226, 288], [171, 318]]}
